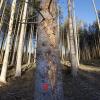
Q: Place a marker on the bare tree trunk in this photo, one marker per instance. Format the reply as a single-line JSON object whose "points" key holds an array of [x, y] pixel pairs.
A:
{"points": [[48, 85], [58, 26], [14, 34], [61, 39], [1, 3], [30, 46], [75, 33], [96, 14], [21, 41], [16, 39], [35, 47], [74, 63], [62, 46], [68, 42], [2, 44], [5, 61], [2, 16]]}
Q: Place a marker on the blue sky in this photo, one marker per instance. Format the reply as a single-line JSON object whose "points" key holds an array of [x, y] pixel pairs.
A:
{"points": [[84, 10]]}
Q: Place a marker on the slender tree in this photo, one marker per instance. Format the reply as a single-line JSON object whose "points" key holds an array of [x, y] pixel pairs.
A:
{"points": [[98, 20], [2, 17], [30, 46], [1, 3], [75, 32], [5, 61], [73, 59], [21, 41], [17, 38]]}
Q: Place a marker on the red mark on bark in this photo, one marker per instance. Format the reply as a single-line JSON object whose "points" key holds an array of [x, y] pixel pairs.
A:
{"points": [[45, 86]]}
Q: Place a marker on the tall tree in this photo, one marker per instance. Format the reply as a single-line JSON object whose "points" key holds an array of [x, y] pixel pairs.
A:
{"points": [[73, 59], [2, 16], [1, 3], [30, 46], [17, 37], [21, 41], [5, 61], [97, 16], [75, 31], [48, 70]]}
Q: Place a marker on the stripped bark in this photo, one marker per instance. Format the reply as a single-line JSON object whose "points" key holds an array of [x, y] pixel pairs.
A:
{"points": [[48, 69]]}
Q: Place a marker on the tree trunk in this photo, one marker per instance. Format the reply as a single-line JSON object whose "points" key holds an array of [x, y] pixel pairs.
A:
{"points": [[30, 46], [35, 47], [75, 33], [1, 3], [98, 20], [68, 42], [16, 39], [2, 44], [48, 85], [5, 61], [74, 63], [21, 41], [2, 16]]}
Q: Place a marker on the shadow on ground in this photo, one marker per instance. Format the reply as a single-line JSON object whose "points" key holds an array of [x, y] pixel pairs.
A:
{"points": [[19, 88], [85, 87], [94, 62]]}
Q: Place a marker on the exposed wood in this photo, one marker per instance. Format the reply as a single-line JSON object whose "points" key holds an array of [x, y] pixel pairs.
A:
{"points": [[48, 67]]}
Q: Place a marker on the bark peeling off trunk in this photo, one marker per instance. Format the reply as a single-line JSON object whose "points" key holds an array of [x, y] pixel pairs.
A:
{"points": [[48, 64]]}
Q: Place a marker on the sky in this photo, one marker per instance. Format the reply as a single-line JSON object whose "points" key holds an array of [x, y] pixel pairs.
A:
{"points": [[83, 8]]}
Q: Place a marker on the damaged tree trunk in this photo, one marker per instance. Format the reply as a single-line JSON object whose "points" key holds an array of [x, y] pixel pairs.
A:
{"points": [[48, 72]]}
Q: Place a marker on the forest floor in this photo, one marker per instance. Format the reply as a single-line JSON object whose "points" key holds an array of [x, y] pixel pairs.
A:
{"points": [[85, 87]]}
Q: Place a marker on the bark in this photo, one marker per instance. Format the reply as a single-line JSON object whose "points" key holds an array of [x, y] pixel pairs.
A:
{"points": [[5, 61], [21, 41], [74, 63], [48, 70], [75, 33], [30, 46], [35, 47], [16, 39], [58, 27], [98, 20], [14, 33], [63, 46], [60, 46], [1, 3], [24, 53], [1, 21], [2, 44], [68, 42]]}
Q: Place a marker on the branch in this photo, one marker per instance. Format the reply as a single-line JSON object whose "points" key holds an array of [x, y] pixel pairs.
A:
{"points": [[31, 22], [49, 7], [49, 4]]}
